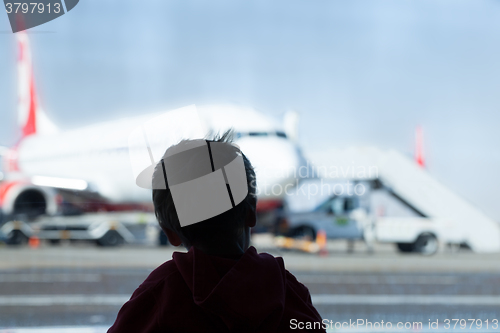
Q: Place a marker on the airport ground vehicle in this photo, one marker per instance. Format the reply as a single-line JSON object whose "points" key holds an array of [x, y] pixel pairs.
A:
{"points": [[348, 217], [330, 206], [334, 216], [416, 234], [402, 205], [105, 229]]}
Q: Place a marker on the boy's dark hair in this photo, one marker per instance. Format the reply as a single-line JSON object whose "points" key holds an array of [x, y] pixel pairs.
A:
{"points": [[213, 232]]}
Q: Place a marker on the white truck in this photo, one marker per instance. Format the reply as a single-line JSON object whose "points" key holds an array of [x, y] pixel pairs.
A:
{"points": [[441, 215], [403, 204]]}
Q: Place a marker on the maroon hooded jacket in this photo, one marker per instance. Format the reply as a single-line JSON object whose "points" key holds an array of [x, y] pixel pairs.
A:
{"points": [[196, 292]]}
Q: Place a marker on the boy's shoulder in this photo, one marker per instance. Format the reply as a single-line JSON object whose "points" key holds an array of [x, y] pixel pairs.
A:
{"points": [[204, 292], [179, 270], [160, 274]]}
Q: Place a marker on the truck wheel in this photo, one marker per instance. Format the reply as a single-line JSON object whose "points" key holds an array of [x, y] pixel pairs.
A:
{"points": [[16, 237], [405, 247], [426, 244], [304, 232], [54, 241], [111, 238]]}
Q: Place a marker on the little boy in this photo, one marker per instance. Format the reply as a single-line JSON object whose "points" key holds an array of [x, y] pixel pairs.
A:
{"points": [[221, 284]]}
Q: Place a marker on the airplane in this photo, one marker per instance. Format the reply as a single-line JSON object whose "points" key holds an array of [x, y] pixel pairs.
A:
{"points": [[51, 171]]}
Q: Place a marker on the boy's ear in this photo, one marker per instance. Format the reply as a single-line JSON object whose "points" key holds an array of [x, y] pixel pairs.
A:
{"points": [[173, 238]]}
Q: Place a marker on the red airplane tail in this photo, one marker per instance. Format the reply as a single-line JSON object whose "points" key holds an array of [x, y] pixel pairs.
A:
{"points": [[31, 119], [419, 147]]}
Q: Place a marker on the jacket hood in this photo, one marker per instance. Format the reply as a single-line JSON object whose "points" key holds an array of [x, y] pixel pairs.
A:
{"points": [[246, 294]]}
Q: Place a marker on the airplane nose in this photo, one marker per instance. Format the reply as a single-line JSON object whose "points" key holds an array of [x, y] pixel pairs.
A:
{"points": [[276, 161]]}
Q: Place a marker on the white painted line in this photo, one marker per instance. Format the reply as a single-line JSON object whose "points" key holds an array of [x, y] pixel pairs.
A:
{"points": [[58, 277], [103, 329], [66, 329], [405, 299], [321, 299], [50, 300], [356, 279]]}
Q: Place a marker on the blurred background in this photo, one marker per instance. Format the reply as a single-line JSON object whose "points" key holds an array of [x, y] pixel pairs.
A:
{"points": [[416, 77]]}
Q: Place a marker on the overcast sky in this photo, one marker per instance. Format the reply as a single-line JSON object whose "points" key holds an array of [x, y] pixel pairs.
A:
{"points": [[359, 72]]}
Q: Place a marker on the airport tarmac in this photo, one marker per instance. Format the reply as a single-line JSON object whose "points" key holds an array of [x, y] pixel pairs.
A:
{"points": [[384, 258], [83, 286]]}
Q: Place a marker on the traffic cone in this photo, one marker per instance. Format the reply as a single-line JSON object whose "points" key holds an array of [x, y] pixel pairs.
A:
{"points": [[321, 241], [34, 242]]}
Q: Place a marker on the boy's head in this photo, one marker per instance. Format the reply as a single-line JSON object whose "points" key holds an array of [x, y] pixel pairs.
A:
{"points": [[226, 234]]}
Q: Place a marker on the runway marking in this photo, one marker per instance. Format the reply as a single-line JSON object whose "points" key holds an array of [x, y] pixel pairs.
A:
{"points": [[68, 329], [44, 277], [405, 299], [318, 299], [103, 329], [356, 279], [50, 300]]}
